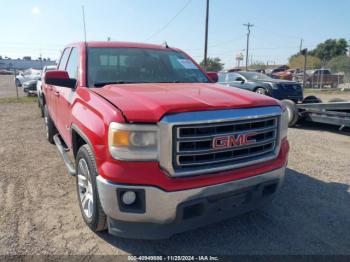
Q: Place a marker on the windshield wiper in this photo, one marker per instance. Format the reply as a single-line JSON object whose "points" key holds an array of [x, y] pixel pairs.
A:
{"points": [[101, 84]]}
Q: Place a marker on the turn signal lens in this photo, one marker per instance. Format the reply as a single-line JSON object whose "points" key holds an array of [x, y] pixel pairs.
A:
{"points": [[120, 138]]}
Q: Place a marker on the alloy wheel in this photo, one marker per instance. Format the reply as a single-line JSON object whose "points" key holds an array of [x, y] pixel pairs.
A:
{"points": [[85, 188]]}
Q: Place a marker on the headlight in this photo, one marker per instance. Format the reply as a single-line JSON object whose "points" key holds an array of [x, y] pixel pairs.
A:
{"points": [[284, 124], [133, 141]]}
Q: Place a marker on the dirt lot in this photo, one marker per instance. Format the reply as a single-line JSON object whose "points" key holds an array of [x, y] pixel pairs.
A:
{"points": [[40, 215]]}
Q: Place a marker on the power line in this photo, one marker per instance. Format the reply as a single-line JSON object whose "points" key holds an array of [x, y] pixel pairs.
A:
{"points": [[170, 21], [219, 44], [227, 42], [278, 34]]}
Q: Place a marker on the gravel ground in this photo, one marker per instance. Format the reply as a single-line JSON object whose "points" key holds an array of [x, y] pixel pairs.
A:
{"points": [[40, 213]]}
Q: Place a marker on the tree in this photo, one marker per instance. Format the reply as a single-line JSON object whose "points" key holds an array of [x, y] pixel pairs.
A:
{"points": [[329, 49], [213, 64], [297, 61], [258, 65], [340, 64]]}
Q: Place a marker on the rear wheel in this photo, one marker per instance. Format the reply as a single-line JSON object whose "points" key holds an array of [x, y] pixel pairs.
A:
{"points": [[41, 107], [89, 201], [261, 91], [49, 126]]}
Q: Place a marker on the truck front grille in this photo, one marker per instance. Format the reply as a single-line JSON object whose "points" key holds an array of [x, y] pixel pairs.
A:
{"points": [[193, 145]]}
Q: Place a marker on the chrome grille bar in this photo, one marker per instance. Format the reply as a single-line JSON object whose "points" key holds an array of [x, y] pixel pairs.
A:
{"points": [[186, 144], [218, 160], [189, 154]]}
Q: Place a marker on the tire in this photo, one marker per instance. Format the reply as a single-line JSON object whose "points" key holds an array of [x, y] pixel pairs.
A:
{"points": [[89, 201], [311, 100], [293, 114], [41, 108], [49, 126], [261, 91], [42, 113]]}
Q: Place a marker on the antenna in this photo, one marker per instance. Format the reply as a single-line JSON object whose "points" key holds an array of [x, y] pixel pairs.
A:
{"points": [[83, 9], [165, 44]]}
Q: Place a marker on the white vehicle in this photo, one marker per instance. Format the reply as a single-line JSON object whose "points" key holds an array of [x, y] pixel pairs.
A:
{"points": [[39, 87], [27, 75]]}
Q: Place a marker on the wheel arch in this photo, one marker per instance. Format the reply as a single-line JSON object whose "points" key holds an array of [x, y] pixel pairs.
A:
{"points": [[79, 139]]}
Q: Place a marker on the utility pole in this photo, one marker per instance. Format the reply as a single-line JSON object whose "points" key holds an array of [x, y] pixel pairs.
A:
{"points": [[249, 25], [301, 45], [304, 53], [206, 36]]}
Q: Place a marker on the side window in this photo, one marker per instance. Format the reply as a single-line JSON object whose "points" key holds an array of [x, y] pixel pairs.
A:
{"points": [[64, 59], [232, 77], [72, 65]]}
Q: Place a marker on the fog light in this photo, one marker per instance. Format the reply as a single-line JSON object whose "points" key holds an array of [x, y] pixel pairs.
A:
{"points": [[129, 198]]}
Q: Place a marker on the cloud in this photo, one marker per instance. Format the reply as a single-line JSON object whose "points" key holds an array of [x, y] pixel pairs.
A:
{"points": [[35, 10]]}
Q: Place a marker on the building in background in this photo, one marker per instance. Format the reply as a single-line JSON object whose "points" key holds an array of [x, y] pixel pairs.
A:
{"points": [[25, 63]]}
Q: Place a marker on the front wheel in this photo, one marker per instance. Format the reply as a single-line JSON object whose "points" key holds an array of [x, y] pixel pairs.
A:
{"points": [[89, 201]]}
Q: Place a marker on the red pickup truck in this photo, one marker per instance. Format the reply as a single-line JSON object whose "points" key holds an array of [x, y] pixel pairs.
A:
{"points": [[155, 145]]}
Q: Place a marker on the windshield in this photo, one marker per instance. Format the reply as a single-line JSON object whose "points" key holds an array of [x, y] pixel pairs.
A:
{"points": [[255, 76], [140, 65]]}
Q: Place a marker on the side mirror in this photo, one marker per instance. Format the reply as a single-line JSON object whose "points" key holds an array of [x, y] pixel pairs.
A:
{"points": [[213, 76], [240, 79], [59, 78]]}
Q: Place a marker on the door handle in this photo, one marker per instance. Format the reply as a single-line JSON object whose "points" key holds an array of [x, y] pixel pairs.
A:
{"points": [[57, 93]]}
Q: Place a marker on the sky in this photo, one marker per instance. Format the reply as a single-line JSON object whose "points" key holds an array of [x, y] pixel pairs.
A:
{"points": [[35, 27]]}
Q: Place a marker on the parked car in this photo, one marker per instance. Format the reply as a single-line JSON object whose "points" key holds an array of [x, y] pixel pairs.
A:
{"points": [[39, 85], [29, 87], [263, 84], [5, 72], [157, 147], [285, 75], [26, 75], [272, 71], [320, 78]]}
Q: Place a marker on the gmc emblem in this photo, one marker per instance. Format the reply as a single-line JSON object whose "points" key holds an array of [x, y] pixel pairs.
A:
{"points": [[233, 141]]}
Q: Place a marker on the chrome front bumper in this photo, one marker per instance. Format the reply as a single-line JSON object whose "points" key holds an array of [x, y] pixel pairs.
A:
{"points": [[161, 207]]}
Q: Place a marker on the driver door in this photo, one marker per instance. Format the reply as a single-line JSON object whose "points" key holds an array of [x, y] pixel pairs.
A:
{"points": [[64, 97]]}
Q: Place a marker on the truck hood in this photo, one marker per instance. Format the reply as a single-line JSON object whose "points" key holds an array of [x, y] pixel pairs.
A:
{"points": [[150, 102]]}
